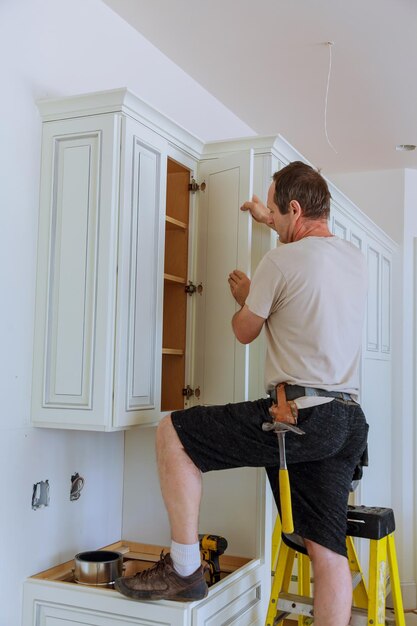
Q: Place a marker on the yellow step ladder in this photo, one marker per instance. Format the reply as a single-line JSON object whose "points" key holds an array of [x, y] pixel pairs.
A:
{"points": [[369, 600]]}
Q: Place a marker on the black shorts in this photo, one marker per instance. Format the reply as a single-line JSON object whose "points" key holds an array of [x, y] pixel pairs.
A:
{"points": [[320, 463]]}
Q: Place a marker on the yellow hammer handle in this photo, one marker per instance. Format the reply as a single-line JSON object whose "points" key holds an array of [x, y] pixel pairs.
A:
{"points": [[285, 498]]}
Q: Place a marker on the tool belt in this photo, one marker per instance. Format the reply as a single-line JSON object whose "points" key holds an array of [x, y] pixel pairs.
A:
{"points": [[284, 408]]}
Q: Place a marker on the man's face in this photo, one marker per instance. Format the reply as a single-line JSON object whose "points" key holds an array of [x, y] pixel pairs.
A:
{"points": [[283, 224]]}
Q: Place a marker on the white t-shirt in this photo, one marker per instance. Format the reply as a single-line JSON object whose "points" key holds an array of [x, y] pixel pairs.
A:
{"points": [[312, 294]]}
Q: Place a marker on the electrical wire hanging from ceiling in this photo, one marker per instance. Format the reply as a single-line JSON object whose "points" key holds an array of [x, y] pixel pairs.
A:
{"points": [[330, 45]]}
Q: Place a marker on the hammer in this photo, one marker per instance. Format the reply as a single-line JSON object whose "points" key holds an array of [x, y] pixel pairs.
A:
{"points": [[280, 428]]}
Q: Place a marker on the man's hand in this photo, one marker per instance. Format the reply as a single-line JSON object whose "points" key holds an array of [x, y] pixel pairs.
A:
{"points": [[239, 285], [257, 209]]}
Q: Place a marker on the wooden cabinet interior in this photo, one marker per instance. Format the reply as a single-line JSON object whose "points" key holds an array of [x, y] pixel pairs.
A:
{"points": [[136, 558], [175, 280]]}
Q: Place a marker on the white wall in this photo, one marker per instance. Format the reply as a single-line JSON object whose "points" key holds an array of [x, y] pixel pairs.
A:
{"points": [[380, 194], [52, 48]]}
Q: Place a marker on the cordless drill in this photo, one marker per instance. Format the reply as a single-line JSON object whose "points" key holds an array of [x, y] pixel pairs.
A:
{"points": [[211, 547]]}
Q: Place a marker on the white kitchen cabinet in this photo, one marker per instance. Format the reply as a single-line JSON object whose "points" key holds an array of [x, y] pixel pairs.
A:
{"points": [[378, 323], [378, 250], [99, 258], [52, 598], [377, 393], [53, 605]]}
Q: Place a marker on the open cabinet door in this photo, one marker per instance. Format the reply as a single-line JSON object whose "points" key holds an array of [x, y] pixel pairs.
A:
{"points": [[224, 244]]}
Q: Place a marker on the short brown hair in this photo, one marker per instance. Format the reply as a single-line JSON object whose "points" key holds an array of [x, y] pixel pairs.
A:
{"points": [[299, 181]]}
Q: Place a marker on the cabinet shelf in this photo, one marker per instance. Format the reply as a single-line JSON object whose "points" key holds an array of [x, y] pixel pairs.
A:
{"points": [[171, 222], [175, 280], [171, 278]]}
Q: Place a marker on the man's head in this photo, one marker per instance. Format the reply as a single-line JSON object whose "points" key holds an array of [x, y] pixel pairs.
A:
{"points": [[298, 181], [298, 201]]}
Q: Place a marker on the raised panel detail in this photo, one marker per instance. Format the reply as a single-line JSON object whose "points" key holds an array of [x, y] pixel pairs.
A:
{"points": [[72, 276], [52, 615], [373, 308], [143, 280], [385, 305], [356, 241], [339, 229]]}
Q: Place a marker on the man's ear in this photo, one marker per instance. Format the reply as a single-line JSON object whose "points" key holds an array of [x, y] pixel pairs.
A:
{"points": [[295, 208]]}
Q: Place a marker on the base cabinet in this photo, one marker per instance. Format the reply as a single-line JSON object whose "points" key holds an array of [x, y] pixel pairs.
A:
{"points": [[236, 600]]}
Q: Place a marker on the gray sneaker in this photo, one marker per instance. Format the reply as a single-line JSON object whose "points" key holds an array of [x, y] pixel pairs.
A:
{"points": [[161, 582]]}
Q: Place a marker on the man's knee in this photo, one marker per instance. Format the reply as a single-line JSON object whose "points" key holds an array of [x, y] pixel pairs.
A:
{"points": [[166, 434], [163, 429], [320, 554]]}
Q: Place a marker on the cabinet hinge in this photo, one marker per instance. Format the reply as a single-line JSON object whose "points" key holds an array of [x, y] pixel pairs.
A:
{"points": [[188, 392], [190, 288], [194, 186]]}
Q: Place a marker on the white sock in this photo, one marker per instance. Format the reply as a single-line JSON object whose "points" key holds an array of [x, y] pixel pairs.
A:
{"points": [[185, 557]]}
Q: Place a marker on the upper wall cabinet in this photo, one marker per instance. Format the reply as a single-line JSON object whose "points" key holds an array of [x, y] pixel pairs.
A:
{"points": [[139, 228], [99, 258], [378, 251]]}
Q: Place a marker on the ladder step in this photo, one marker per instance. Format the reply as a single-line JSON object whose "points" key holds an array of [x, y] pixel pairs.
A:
{"points": [[291, 603], [356, 579]]}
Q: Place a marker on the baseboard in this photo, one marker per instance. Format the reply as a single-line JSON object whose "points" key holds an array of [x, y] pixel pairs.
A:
{"points": [[409, 594]]}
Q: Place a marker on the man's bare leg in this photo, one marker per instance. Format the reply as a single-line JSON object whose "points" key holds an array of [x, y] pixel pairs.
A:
{"points": [[178, 575], [180, 482], [332, 586]]}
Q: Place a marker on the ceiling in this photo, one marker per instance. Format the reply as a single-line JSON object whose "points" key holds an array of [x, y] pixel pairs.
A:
{"points": [[268, 61]]}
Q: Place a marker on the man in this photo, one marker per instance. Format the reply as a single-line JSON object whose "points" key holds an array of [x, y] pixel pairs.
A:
{"points": [[310, 296]]}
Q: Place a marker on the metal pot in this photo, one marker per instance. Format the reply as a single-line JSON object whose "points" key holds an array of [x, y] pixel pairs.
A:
{"points": [[98, 567]]}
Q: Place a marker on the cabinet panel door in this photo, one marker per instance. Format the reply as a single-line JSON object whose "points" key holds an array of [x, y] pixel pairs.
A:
{"points": [[374, 301], [238, 605], [378, 327], [385, 304], [48, 615], [341, 226], [73, 352], [224, 244], [377, 404], [338, 227], [140, 268]]}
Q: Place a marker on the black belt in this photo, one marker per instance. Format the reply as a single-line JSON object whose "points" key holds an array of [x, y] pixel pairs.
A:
{"points": [[296, 391]]}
